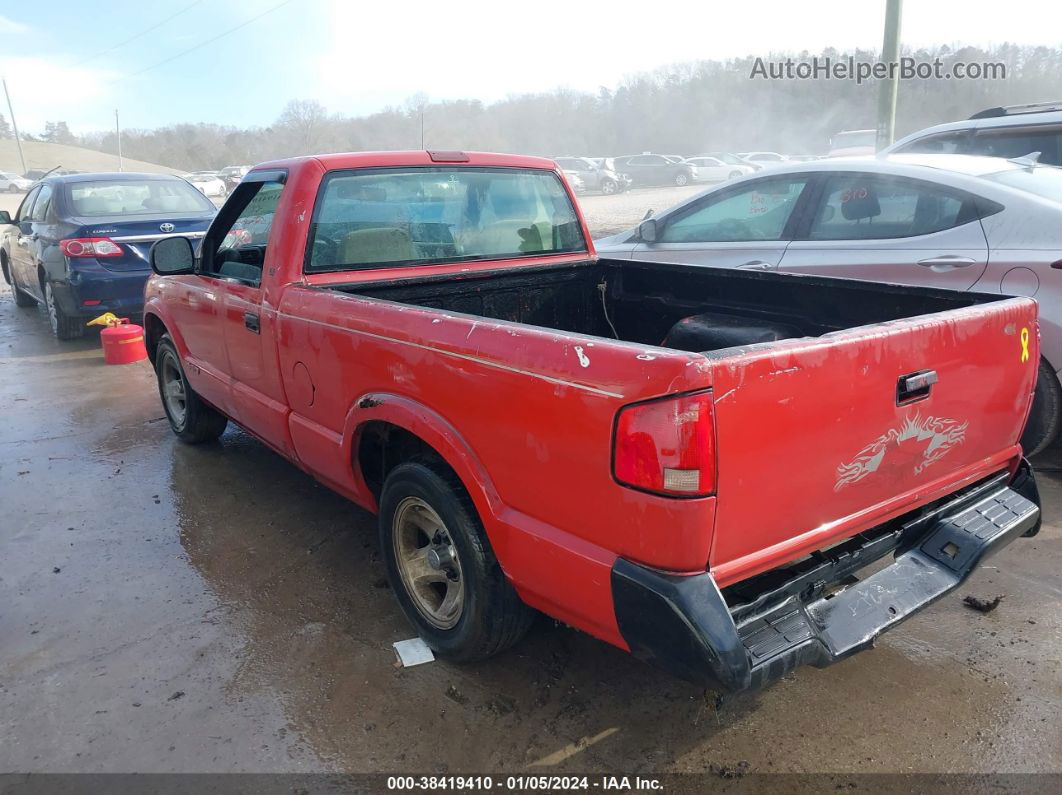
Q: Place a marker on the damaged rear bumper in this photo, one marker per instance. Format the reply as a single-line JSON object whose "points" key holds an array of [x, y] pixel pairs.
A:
{"points": [[816, 612]]}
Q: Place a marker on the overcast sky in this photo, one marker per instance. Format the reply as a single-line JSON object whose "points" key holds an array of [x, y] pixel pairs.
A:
{"points": [[357, 57]]}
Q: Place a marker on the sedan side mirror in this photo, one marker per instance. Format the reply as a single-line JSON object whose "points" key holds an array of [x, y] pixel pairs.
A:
{"points": [[647, 230], [5, 217], [172, 256]]}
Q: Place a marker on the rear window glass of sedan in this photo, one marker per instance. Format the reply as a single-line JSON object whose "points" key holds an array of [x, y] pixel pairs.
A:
{"points": [[136, 197], [873, 207], [1045, 182], [421, 216]]}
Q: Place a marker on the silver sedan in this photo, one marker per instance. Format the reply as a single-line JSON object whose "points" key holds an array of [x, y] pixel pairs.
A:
{"points": [[959, 222]]}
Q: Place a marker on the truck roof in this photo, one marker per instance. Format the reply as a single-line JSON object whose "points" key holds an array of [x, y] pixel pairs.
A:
{"points": [[416, 157]]}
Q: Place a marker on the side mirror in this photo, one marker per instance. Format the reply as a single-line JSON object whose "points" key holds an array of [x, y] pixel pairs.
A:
{"points": [[5, 217], [172, 256], [647, 230]]}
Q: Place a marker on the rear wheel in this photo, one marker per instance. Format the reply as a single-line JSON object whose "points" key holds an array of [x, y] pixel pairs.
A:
{"points": [[442, 568], [63, 326], [1046, 414], [682, 178], [192, 420], [734, 174]]}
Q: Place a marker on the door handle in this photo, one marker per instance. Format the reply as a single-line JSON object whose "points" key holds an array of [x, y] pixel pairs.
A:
{"points": [[250, 322], [947, 261], [756, 263], [915, 386]]}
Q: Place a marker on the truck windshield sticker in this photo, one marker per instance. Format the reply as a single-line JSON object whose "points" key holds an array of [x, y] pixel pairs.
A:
{"points": [[919, 442]]}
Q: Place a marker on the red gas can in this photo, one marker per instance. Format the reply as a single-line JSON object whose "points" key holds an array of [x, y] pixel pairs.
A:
{"points": [[123, 342]]}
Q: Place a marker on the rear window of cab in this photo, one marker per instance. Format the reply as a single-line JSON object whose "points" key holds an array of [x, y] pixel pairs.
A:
{"points": [[436, 215]]}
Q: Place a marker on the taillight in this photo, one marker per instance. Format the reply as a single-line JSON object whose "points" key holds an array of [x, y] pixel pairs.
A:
{"points": [[90, 247], [667, 446]]}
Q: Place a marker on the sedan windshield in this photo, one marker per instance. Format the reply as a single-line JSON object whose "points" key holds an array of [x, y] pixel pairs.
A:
{"points": [[1044, 181], [137, 197]]}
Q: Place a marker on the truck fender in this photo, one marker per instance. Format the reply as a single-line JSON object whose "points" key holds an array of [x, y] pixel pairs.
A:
{"points": [[434, 430], [154, 313]]}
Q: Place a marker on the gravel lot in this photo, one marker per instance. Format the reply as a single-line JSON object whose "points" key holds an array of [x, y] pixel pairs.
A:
{"points": [[169, 608]]}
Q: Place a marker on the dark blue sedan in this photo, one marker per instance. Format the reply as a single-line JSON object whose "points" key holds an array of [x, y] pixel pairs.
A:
{"points": [[79, 243]]}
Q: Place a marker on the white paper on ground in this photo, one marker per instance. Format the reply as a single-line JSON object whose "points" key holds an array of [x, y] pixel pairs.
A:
{"points": [[413, 652]]}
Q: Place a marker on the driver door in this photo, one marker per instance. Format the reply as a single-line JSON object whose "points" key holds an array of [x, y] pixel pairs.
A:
{"points": [[748, 226], [235, 253]]}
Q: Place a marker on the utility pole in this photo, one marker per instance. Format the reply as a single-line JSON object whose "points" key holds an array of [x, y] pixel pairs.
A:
{"points": [[14, 126], [422, 126], [118, 132], [890, 54]]}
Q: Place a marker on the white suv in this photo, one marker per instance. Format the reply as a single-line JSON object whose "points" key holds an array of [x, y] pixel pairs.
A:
{"points": [[13, 183], [1011, 132]]}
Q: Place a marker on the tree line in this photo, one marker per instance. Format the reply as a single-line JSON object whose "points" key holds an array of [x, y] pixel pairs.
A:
{"points": [[710, 105]]}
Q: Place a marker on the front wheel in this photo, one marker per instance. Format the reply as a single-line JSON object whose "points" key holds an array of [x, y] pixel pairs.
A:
{"points": [[441, 566], [63, 326], [681, 179], [608, 187], [1046, 413], [192, 420]]}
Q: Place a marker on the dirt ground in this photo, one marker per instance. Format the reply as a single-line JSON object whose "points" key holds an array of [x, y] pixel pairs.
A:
{"points": [[166, 608]]}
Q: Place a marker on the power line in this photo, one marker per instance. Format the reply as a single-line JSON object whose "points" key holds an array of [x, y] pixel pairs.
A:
{"points": [[209, 41], [136, 36]]}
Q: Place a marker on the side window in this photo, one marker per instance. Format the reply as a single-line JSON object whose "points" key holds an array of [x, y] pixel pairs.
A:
{"points": [[1017, 142], [242, 249], [43, 204], [946, 143], [755, 212], [873, 207], [26, 207]]}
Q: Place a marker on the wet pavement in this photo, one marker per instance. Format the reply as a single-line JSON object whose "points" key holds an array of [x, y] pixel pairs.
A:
{"points": [[173, 608]]}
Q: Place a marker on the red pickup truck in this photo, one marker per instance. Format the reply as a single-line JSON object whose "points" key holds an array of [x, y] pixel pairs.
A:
{"points": [[697, 465]]}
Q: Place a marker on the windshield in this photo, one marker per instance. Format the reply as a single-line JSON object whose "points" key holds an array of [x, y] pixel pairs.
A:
{"points": [[1044, 181], [436, 215], [137, 197]]}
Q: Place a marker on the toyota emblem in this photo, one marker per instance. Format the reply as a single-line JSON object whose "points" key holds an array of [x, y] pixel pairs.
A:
{"points": [[166, 227]]}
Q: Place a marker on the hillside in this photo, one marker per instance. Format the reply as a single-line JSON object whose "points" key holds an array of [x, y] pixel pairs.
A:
{"points": [[46, 156]]}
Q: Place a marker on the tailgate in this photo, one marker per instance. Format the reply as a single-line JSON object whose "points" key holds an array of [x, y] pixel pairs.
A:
{"points": [[818, 439]]}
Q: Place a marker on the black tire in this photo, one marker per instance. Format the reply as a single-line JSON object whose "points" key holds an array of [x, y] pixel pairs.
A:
{"points": [[21, 299], [198, 422], [63, 326], [608, 187], [492, 617], [682, 179], [1046, 414]]}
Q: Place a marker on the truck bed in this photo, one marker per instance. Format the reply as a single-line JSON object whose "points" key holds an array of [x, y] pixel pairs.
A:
{"points": [[816, 440], [645, 300]]}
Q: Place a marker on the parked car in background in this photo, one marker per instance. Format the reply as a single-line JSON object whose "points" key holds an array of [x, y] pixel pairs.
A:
{"points": [[578, 186], [231, 176], [595, 176], [649, 169], [853, 143], [79, 243], [763, 159], [732, 159], [209, 184], [966, 223], [626, 446], [13, 183], [1013, 131], [712, 169]]}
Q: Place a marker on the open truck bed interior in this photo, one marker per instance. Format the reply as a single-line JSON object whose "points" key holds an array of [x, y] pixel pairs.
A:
{"points": [[673, 306]]}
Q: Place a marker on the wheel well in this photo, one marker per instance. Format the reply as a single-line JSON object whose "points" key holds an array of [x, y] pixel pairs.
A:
{"points": [[40, 276], [3, 266], [154, 328], [382, 446]]}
